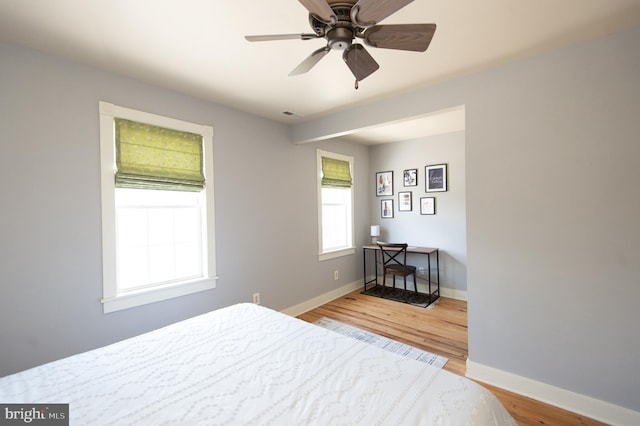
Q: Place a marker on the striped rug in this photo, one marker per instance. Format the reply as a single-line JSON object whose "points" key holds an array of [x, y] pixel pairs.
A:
{"points": [[382, 342]]}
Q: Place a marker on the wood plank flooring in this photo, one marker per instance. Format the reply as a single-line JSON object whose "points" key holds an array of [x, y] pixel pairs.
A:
{"points": [[443, 331]]}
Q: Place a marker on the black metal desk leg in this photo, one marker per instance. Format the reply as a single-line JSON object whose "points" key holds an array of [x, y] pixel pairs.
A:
{"points": [[429, 270], [438, 269], [364, 265]]}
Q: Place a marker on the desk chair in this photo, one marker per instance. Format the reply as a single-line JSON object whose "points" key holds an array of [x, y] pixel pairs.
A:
{"points": [[394, 262]]}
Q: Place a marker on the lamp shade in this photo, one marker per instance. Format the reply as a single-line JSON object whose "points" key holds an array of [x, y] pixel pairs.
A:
{"points": [[375, 230]]}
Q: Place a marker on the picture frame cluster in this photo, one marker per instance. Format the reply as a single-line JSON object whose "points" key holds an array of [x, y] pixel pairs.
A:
{"points": [[435, 180]]}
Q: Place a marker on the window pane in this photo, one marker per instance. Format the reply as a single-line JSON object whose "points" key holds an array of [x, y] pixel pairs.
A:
{"points": [[159, 238], [188, 262], [187, 229], [333, 227], [162, 264], [132, 226], [160, 226], [141, 197], [336, 218], [333, 195], [133, 267]]}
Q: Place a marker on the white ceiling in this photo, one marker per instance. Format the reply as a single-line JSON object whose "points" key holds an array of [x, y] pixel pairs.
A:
{"points": [[197, 47]]}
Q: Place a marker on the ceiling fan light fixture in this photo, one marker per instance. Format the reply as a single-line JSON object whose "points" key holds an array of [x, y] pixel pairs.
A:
{"points": [[340, 38]]}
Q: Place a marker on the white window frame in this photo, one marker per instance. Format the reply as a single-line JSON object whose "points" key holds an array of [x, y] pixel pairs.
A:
{"points": [[325, 255], [112, 301]]}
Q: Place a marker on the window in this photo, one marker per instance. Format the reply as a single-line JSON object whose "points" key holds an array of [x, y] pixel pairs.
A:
{"points": [[157, 207], [335, 205]]}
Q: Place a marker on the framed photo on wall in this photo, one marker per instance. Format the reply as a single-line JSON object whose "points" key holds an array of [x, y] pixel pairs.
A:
{"points": [[405, 201], [386, 209], [384, 184], [435, 178], [427, 205], [410, 177]]}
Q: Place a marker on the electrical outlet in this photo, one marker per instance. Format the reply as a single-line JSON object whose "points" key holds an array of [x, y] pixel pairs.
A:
{"points": [[336, 275], [256, 298]]}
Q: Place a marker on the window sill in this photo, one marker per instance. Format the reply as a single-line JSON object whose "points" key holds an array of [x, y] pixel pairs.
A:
{"points": [[143, 297], [337, 253]]}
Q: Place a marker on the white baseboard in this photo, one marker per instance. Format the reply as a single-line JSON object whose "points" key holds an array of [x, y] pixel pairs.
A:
{"points": [[322, 299], [577, 403], [453, 293]]}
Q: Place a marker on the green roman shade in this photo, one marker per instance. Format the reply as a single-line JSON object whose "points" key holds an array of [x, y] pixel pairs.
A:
{"points": [[152, 157], [335, 173]]}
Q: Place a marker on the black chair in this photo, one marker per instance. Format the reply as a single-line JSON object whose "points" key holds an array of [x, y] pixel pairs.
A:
{"points": [[394, 262]]}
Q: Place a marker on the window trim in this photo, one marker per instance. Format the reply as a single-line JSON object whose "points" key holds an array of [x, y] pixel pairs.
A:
{"points": [[326, 255], [111, 300]]}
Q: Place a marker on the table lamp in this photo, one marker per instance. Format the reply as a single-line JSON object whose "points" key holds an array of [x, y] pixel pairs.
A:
{"points": [[375, 233]]}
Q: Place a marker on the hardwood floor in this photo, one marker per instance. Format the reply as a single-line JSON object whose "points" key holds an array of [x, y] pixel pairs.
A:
{"points": [[443, 331]]}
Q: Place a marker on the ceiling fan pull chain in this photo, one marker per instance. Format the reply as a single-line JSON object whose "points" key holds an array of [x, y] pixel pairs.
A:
{"points": [[356, 85]]}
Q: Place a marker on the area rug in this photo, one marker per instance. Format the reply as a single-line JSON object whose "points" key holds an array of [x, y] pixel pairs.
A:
{"points": [[401, 295], [382, 342]]}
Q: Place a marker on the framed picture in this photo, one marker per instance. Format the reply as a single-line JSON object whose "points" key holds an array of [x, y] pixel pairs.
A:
{"points": [[410, 177], [428, 205], [386, 209], [404, 201], [435, 178], [384, 184]]}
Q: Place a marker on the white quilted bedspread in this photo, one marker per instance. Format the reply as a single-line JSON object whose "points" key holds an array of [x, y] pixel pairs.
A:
{"points": [[249, 365]]}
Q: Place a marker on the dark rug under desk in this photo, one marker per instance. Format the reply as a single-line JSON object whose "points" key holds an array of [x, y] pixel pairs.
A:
{"points": [[401, 295]]}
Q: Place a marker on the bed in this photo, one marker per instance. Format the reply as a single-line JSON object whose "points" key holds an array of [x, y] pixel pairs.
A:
{"points": [[247, 364]]}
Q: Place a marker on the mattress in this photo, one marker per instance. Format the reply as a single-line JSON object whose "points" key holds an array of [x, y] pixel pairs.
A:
{"points": [[250, 365]]}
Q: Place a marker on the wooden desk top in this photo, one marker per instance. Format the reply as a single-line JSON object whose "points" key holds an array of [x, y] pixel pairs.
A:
{"points": [[410, 249]]}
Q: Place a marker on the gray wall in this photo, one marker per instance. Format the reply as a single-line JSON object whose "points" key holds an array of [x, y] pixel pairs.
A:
{"points": [[50, 221], [447, 228], [553, 185], [553, 238]]}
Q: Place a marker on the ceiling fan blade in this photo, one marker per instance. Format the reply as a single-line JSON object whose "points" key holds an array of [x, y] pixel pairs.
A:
{"points": [[415, 37], [359, 61], [310, 62], [281, 37], [321, 9], [370, 12]]}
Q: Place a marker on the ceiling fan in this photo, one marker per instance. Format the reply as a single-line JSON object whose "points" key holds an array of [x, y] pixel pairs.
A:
{"points": [[341, 22]]}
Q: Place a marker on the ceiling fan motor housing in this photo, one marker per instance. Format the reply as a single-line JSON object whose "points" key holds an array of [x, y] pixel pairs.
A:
{"points": [[341, 33]]}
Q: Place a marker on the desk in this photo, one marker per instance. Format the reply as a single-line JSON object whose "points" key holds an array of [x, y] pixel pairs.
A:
{"points": [[433, 293]]}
